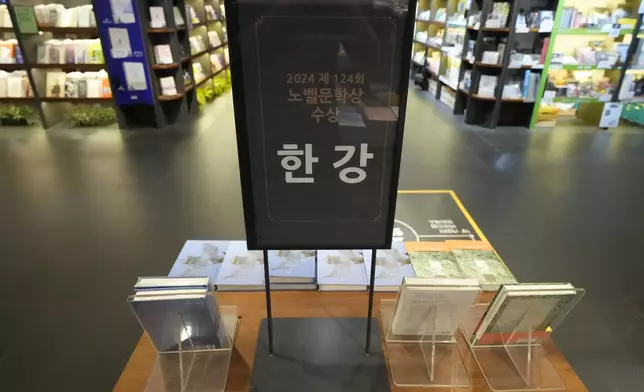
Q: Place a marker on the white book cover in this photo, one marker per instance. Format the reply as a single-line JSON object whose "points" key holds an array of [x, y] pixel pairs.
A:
{"points": [[391, 267], [241, 267], [431, 307], [200, 258], [163, 54], [157, 17], [291, 266], [15, 88], [341, 269], [168, 86]]}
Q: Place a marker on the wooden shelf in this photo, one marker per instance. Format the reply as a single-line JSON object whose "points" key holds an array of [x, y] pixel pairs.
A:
{"points": [[488, 65], [165, 66], [197, 25], [189, 87], [84, 67], [520, 100], [23, 100], [170, 97], [161, 30], [13, 66], [69, 30], [497, 29], [420, 43], [193, 56], [219, 47], [6, 30], [464, 91], [481, 98], [75, 100]]}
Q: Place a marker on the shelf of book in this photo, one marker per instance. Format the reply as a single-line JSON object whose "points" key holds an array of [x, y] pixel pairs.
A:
{"points": [[77, 67], [69, 30], [77, 100]]}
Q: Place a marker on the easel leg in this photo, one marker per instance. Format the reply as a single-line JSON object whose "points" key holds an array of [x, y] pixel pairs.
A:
{"points": [[372, 279], [269, 312]]}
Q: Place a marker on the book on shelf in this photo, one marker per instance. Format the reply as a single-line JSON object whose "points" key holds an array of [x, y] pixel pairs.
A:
{"points": [[433, 306], [200, 258], [157, 17], [178, 17], [180, 317], [392, 266], [55, 83], [478, 260], [5, 17], [163, 54], [168, 86], [521, 313], [214, 39], [292, 266], [341, 270], [433, 260], [242, 269]]}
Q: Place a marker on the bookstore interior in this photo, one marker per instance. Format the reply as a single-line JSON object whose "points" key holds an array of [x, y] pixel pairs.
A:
{"points": [[73, 64]]}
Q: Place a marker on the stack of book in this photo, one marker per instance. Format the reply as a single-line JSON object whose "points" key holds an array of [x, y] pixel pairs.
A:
{"points": [[341, 270], [15, 85], [57, 15], [292, 269], [179, 314], [78, 85], [521, 313], [77, 51], [392, 266], [458, 260]]}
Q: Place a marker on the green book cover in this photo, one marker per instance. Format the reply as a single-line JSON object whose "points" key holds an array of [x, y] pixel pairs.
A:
{"points": [[485, 266], [26, 19], [435, 264]]}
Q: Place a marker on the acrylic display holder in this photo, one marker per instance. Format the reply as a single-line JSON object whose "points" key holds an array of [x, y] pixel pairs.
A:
{"points": [[515, 360], [426, 360], [189, 370]]}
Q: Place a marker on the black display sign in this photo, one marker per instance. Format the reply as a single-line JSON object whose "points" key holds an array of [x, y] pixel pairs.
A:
{"points": [[320, 91]]}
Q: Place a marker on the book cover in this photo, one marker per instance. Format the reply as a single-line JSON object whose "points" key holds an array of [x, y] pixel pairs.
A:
{"points": [[180, 321], [55, 84], [200, 258], [163, 54], [433, 260], [168, 86], [433, 306], [157, 17], [341, 270], [242, 269], [392, 266], [178, 18], [478, 260], [292, 266]]}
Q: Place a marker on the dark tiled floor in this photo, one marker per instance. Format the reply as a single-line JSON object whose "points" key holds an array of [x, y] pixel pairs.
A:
{"points": [[83, 213]]}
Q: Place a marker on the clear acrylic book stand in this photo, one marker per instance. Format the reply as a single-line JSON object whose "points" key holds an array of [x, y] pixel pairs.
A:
{"points": [[515, 360], [422, 360], [189, 370]]}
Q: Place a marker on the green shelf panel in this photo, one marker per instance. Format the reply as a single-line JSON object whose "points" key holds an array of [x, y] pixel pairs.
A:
{"points": [[583, 31], [580, 67], [576, 100]]}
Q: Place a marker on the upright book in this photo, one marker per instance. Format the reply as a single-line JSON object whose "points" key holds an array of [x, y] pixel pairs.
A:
{"points": [[478, 260], [242, 269], [520, 313], [200, 258], [392, 266], [433, 307], [341, 270]]}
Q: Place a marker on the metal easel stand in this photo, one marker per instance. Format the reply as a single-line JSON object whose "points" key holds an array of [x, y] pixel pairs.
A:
{"points": [[189, 370], [426, 360], [516, 360]]}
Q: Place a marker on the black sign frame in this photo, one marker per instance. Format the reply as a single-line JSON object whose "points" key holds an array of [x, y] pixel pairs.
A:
{"points": [[243, 146]]}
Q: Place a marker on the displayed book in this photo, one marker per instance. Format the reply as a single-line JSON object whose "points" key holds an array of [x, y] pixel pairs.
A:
{"points": [[18, 85], [200, 258], [392, 266], [168, 86], [214, 40], [292, 266], [478, 260], [57, 15], [163, 54], [521, 313], [5, 17], [180, 318], [157, 17], [433, 306], [8, 51], [433, 260], [55, 82], [178, 17], [242, 269], [341, 270]]}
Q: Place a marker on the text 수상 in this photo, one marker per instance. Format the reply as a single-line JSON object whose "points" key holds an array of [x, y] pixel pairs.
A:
{"points": [[292, 161], [340, 94]]}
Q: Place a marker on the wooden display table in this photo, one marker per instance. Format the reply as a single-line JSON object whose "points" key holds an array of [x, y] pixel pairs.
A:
{"points": [[251, 309]]}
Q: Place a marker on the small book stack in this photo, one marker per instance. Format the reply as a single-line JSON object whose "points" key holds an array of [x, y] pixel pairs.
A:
{"points": [[292, 269], [179, 314], [242, 269], [521, 313], [392, 266], [341, 270]]}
